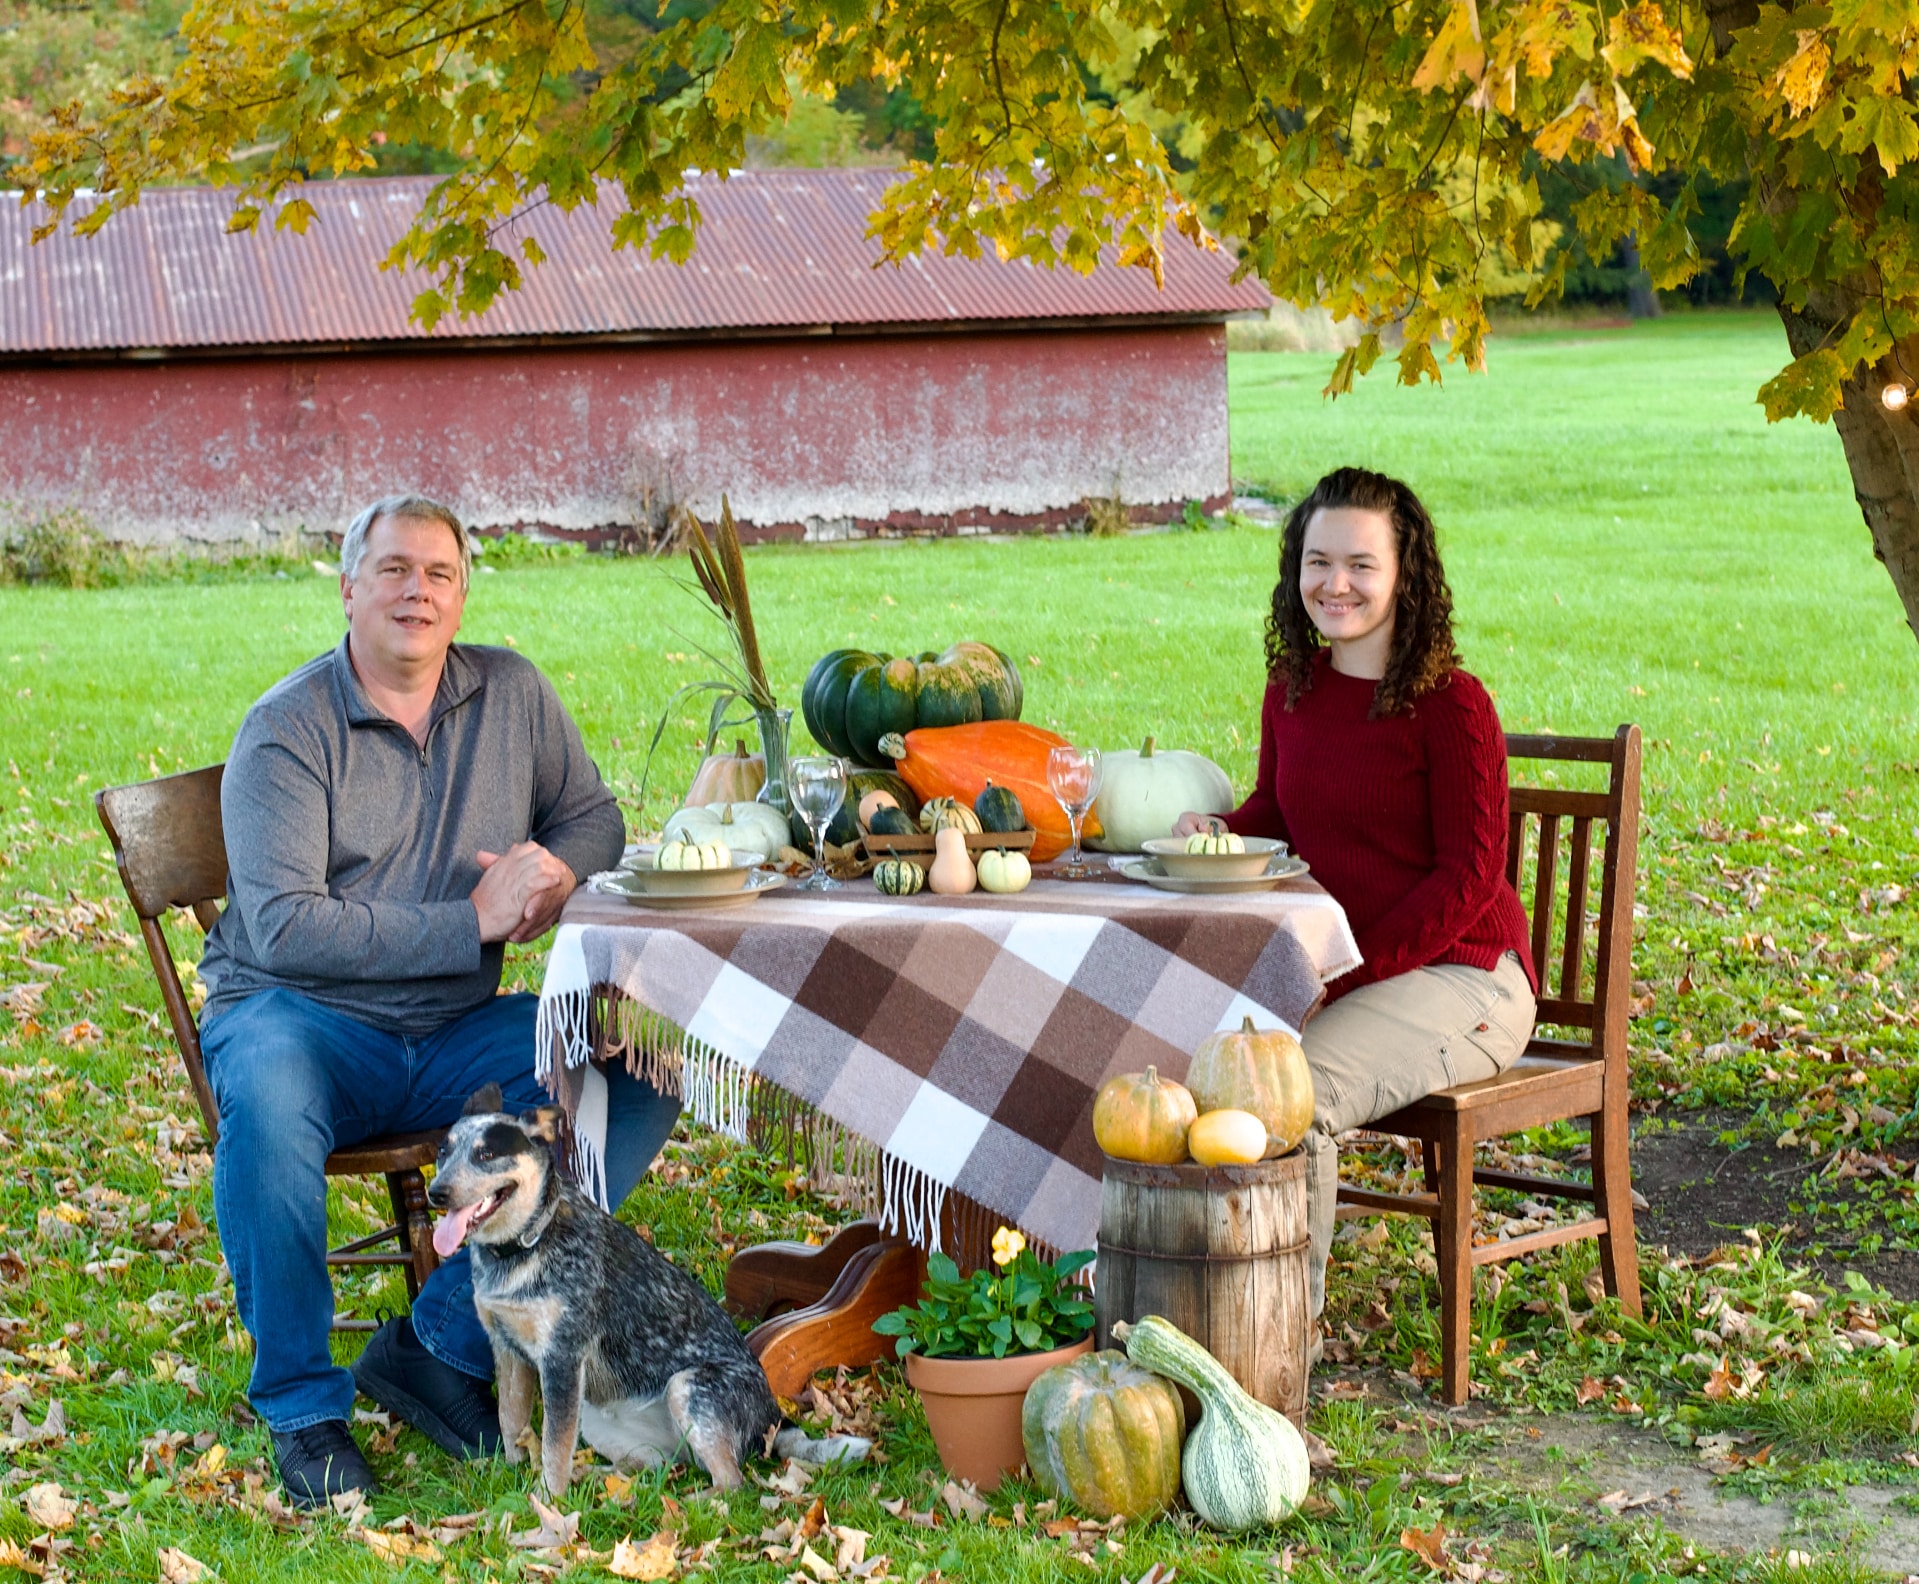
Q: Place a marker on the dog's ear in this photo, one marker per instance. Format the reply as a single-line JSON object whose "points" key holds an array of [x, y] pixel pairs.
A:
{"points": [[543, 1124], [485, 1101]]}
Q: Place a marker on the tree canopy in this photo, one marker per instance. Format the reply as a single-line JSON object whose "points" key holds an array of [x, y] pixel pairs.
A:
{"points": [[1381, 157]]}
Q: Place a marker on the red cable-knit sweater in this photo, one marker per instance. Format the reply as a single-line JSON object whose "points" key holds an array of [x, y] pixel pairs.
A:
{"points": [[1403, 819]]}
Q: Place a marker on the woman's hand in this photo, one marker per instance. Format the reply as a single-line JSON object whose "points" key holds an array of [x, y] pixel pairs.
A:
{"points": [[1191, 823]]}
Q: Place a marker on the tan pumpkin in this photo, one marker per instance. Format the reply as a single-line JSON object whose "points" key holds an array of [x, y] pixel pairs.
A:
{"points": [[1143, 1117], [1105, 1435], [1263, 1071], [952, 873], [728, 778]]}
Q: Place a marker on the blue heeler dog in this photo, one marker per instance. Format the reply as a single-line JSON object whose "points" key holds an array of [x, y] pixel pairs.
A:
{"points": [[628, 1349]]}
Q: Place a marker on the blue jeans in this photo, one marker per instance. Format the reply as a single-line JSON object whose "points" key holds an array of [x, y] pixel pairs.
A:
{"points": [[295, 1080]]}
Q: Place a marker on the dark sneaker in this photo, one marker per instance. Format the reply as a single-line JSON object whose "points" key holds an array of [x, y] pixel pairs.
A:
{"points": [[452, 1409], [321, 1462]]}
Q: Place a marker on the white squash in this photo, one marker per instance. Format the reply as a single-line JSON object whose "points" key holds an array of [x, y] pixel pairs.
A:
{"points": [[746, 827], [1141, 794], [693, 855], [1244, 1465], [1003, 871]]}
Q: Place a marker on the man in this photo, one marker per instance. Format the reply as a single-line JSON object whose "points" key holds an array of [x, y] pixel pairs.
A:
{"points": [[395, 812]]}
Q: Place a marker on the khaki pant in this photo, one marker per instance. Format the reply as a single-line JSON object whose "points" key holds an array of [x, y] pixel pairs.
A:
{"points": [[1388, 1044]]}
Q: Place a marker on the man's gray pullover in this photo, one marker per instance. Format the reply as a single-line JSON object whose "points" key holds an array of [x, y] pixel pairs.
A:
{"points": [[351, 849]]}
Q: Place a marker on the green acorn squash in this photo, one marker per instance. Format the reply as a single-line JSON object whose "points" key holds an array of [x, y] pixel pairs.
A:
{"points": [[999, 809], [853, 697]]}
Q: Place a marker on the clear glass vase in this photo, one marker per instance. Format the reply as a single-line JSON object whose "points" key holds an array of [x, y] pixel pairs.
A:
{"points": [[774, 726]]}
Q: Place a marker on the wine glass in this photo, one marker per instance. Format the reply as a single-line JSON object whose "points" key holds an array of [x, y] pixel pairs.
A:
{"points": [[817, 786], [1073, 776]]}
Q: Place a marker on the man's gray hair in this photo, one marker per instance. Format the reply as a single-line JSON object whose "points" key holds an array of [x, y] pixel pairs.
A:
{"points": [[417, 507]]}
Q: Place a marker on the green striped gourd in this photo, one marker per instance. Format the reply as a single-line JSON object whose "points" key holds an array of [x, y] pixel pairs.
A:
{"points": [[1245, 1465], [1105, 1435]]}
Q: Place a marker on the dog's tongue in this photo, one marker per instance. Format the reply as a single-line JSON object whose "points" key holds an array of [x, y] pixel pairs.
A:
{"points": [[449, 1232]]}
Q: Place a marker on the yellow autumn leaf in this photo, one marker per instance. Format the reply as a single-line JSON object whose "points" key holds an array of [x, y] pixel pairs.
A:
{"points": [[1642, 33], [654, 1560], [1802, 80], [1546, 29], [1638, 150], [1456, 49], [50, 1507], [1579, 122]]}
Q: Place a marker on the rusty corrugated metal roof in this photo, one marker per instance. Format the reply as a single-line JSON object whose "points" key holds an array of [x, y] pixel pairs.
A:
{"points": [[777, 249]]}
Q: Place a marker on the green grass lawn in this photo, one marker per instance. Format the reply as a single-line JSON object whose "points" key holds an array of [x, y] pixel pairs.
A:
{"points": [[1627, 540]]}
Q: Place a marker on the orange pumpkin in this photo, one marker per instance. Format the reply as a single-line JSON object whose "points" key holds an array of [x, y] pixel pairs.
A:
{"points": [[1143, 1117], [959, 761]]}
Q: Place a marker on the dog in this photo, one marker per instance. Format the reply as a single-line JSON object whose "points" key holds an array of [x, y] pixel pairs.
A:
{"points": [[628, 1349]]}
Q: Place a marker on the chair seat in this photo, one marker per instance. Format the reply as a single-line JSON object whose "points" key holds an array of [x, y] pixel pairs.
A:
{"points": [[388, 1152], [1532, 1080]]}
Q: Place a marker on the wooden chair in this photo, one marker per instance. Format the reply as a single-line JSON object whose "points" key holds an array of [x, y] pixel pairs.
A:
{"points": [[168, 843], [1557, 1078]]}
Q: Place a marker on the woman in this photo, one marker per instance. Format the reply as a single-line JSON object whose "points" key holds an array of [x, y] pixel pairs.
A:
{"points": [[1383, 765]]}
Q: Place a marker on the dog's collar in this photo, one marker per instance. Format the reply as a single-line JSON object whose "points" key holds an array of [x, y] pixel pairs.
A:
{"points": [[532, 1235]]}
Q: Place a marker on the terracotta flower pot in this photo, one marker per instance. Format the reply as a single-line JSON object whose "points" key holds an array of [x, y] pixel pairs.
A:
{"points": [[973, 1405]]}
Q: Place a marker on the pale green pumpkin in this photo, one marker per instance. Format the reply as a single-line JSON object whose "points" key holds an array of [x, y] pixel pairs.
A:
{"points": [[1141, 794], [1105, 1435]]}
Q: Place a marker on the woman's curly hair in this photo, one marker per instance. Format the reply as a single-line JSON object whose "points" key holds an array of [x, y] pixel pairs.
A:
{"points": [[1422, 650]]}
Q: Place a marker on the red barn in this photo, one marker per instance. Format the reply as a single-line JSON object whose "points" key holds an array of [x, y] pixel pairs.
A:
{"points": [[175, 382]]}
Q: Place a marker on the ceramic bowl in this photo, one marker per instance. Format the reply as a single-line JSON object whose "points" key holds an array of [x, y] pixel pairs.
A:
{"points": [[1179, 864], [692, 882]]}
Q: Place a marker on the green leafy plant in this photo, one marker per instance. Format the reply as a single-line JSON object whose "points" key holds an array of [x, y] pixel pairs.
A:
{"points": [[1024, 1305]]}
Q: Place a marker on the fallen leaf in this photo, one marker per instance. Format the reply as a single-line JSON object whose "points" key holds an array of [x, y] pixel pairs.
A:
{"points": [[817, 1565], [50, 1507], [963, 1501], [1618, 1501], [397, 1548], [176, 1567], [654, 1560], [557, 1529], [1429, 1545], [1590, 1390]]}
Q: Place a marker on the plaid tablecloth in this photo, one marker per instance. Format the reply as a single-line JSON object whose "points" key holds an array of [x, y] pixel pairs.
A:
{"points": [[960, 1040]]}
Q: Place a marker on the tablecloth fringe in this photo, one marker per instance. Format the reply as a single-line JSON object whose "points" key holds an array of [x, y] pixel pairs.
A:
{"points": [[564, 1025]]}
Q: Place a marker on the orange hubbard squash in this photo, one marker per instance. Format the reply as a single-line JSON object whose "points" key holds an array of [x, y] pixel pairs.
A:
{"points": [[958, 761]]}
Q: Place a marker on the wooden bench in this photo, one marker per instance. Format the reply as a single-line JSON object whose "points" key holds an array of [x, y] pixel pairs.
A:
{"points": [[1584, 964]]}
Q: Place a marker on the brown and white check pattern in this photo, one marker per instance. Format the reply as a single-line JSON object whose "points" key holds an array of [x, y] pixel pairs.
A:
{"points": [[964, 1038]]}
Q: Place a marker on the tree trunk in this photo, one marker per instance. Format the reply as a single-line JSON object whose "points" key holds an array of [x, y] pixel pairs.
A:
{"points": [[1642, 302], [1882, 446]]}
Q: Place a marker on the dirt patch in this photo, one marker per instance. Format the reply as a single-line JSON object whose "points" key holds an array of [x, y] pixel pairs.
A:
{"points": [[1704, 1194], [1626, 1474]]}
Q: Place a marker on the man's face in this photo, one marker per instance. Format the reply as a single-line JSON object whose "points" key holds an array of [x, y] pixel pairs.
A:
{"points": [[403, 606]]}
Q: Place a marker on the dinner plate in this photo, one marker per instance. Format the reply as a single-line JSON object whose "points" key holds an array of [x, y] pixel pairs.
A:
{"points": [[622, 883], [1149, 871]]}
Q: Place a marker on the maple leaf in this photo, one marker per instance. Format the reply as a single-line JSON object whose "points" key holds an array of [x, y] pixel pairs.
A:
{"points": [[656, 1559], [50, 1507], [1456, 50], [1590, 1390], [1429, 1545], [1642, 33], [177, 1567], [1802, 80]]}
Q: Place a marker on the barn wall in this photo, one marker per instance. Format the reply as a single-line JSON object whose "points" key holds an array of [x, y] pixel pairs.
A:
{"points": [[830, 434]]}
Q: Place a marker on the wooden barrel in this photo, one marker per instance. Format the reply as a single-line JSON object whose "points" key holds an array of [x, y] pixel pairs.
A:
{"points": [[1221, 1252]]}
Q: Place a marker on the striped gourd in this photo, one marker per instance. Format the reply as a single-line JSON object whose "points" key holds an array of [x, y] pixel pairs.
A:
{"points": [[1244, 1464]]}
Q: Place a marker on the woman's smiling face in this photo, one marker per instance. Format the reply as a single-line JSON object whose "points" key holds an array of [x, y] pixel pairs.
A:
{"points": [[1348, 576]]}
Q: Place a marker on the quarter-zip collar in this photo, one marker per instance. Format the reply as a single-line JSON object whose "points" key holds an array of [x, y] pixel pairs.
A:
{"points": [[460, 680]]}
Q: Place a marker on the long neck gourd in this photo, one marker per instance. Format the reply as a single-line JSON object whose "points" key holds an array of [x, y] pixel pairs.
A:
{"points": [[1244, 1465]]}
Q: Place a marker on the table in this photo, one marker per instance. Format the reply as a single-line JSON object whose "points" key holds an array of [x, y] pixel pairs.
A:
{"points": [[955, 1045]]}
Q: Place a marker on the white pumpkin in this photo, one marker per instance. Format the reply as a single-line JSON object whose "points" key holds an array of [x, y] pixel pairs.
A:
{"points": [[1141, 794], [693, 855], [746, 827]]}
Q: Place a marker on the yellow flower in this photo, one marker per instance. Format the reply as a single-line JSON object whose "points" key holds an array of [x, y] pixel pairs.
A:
{"points": [[1007, 1246]]}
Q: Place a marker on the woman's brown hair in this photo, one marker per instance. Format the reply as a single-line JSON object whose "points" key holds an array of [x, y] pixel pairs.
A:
{"points": [[1422, 651]]}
